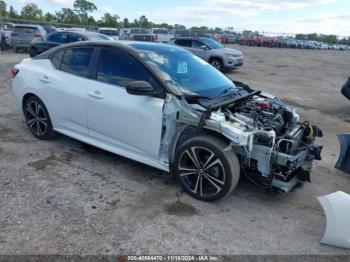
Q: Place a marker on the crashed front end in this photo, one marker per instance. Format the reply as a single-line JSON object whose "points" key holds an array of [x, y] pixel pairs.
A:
{"points": [[275, 148]]}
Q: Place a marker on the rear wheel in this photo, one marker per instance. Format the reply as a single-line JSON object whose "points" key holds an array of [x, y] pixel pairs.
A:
{"points": [[217, 63], [38, 119], [32, 52], [205, 169]]}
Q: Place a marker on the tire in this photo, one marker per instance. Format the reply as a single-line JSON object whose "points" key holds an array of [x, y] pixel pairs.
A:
{"points": [[16, 49], [217, 63], [205, 170], [37, 118], [32, 52]]}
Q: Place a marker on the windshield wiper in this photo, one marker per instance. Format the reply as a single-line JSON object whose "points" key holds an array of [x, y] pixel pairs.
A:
{"points": [[223, 92]]}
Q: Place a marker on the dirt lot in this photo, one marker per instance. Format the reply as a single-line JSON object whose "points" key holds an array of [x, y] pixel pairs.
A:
{"points": [[64, 197]]}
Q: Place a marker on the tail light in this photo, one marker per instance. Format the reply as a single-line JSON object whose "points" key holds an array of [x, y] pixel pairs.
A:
{"points": [[14, 34], [14, 72], [38, 35]]}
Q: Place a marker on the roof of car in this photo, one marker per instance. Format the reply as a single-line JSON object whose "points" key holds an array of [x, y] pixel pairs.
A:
{"points": [[122, 44]]}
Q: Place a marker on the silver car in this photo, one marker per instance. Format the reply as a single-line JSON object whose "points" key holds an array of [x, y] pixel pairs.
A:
{"points": [[23, 35], [211, 51]]}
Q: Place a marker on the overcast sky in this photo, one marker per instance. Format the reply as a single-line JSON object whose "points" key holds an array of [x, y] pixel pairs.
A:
{"points": [[289, 16]]}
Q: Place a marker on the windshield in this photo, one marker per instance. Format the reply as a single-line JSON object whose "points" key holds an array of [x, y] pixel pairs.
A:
{"points": [[109, 32], [211, 43], [184, 71]]}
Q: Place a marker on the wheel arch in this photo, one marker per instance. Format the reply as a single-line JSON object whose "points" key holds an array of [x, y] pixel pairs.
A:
{"points": [[216, 57], [189, 132], [26, 96]]}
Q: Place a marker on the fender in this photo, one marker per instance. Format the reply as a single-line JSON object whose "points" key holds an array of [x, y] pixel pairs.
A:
{"points": [[336, 207]]}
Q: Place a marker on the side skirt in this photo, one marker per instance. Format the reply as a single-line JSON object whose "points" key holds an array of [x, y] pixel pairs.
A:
{"points": [[116, 150]]}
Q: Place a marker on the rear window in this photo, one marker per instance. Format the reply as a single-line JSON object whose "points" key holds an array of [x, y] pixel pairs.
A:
{"points": [[76, 61], [26, 29], [56, 59]]}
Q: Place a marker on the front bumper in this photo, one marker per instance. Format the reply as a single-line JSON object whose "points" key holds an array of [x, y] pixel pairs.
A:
{"points": [[233, 62]]}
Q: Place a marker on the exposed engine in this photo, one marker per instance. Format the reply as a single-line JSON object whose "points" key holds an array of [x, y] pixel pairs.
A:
{"points": [[266, 114]]}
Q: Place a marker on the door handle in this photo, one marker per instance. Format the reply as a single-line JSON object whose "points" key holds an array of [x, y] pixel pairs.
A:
{"points": [[96, 94], [45, 79]]}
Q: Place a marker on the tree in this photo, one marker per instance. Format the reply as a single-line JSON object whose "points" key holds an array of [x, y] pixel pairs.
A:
{"points": [[83, 7], [68, 16], [3, 7], [31, 12], [126, 23], [48, 17], [12, 12], [109, 20]]}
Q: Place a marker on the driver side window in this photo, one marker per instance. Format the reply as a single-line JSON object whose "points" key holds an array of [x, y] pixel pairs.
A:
{"points": [[196, 44], [119, 69]]}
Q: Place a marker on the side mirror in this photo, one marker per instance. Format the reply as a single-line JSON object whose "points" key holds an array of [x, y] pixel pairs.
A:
{"points": [[140, 88], [204, 47]]}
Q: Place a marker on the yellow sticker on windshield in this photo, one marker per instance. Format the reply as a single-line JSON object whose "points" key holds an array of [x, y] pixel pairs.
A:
{"points": [[182, 67]]}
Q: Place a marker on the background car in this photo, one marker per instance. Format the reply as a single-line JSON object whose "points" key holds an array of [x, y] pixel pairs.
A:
{"points": [[5, 35], [23, 35], [111, 32], [49, 41], [161, 35], [211, 51], [136, 34]]}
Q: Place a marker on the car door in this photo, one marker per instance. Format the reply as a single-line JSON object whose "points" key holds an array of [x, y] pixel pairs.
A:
{"points": [[115, 117], [197, 49], [65, 88]]}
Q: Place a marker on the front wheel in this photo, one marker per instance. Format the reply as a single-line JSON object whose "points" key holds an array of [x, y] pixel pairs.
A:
{"points": [[206, 169], [217, 63]]}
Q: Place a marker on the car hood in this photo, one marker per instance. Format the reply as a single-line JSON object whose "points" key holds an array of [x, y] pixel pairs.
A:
{"points": [[231, 51]]}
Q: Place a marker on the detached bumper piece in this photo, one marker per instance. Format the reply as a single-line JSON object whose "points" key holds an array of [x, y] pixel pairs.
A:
{"points": [[343, 163], [336, 207]]}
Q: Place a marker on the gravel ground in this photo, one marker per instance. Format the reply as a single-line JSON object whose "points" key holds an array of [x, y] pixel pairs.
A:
{"points": [[65, 197]]}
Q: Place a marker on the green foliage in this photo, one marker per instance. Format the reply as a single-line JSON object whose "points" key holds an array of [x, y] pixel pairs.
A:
{"points": [[83, 7], [31, 11], [3, 8]]}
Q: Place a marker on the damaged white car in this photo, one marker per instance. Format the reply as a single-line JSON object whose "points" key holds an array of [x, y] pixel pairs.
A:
{"points": [[165, 107]]}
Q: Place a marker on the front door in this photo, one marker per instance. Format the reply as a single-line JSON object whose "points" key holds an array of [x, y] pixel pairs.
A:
{"points": [[131, 122]]}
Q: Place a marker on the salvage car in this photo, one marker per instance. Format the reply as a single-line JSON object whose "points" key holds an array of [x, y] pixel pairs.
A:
{"points": [[211, 51], [165, 107], [49, 41]]}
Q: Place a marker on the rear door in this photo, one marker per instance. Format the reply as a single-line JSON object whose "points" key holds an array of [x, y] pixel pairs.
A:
{"points": [[65, 88], [118, 118]]}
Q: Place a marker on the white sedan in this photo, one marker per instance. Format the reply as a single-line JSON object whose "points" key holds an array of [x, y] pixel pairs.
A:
{"points": [[165, 107]]}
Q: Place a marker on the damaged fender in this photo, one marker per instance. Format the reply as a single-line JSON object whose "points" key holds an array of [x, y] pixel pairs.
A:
{"points": [[337, 209], [343, 163]]}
